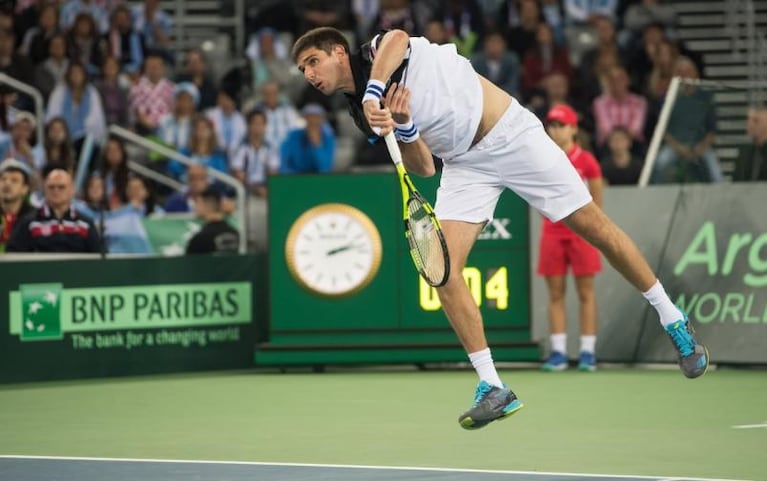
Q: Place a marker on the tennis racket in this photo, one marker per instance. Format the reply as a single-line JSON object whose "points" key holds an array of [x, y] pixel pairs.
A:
{"points": [[428, 248]]}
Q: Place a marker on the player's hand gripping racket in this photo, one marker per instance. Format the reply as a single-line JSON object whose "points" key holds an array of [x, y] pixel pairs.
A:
{"points": [[428, 248]]}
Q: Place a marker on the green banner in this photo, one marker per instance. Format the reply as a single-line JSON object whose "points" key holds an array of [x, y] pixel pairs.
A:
{"points": [[84, 318]]}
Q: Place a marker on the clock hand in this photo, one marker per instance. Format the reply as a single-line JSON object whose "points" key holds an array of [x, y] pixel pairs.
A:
{"points": [[337, 250]]}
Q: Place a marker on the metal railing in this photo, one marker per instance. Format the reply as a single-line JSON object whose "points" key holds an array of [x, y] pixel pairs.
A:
{"points": [[220, 176], [740, 19], [37, 97]]}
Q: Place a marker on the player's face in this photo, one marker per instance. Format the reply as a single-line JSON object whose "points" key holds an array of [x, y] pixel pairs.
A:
{"points": [[320, 69]]}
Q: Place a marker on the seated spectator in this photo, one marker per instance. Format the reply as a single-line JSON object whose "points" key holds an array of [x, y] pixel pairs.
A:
{"points": [[52, 71], [151, 98], [56, 226], [14, 197], [216, 235], [84, 44], [15, 65], [618, 107], [465, 24], [546, 57], [21, 144], [393, 14], [656, 82], [72, 9], [78, 102], [751, 164], [498, 64], [257, 158], [321, 13], [34, 45], [620, 165], [196, 71], [197, 182], [58, 145], [581, 12], [114, 172], [203, 149], [310, 149], [176, 128], [270, 61], [281, 115], [140, 197], [520, 37], [687, 154], [93, 197], [113, 88], [587, 73], [646, 12], [124, 43], [227, 121], [155, 26], [435, 32]]}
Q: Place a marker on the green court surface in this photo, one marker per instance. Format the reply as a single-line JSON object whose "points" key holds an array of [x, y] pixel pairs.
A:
{"points": [[616, 422]]}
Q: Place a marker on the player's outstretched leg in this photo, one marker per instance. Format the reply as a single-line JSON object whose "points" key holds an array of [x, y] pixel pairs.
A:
{"points": [[693, 356], [591, 223], [491, 403]]}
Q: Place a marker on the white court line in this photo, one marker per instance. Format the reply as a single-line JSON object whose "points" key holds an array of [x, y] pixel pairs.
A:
{"points": [[356, 466], [751, 426]]}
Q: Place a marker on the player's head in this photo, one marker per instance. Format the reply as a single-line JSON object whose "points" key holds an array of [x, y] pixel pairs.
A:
{"points": [[322, 55], [562, 125]]}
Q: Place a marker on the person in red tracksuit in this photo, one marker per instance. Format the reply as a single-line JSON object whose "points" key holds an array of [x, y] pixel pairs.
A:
{"points": [[561, 248]]}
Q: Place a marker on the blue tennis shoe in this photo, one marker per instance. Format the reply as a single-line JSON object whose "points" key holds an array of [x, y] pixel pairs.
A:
{"points": [[491, 403], [693, 356]]}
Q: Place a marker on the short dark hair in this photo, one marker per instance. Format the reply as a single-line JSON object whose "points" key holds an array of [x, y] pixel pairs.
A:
{"points": [[257, 112], [212, 197], [12, 168], [323, 38]]}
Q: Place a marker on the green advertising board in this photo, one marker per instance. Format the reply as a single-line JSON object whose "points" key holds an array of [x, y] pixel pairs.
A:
{"points": [[391, 316], [84, 318]]}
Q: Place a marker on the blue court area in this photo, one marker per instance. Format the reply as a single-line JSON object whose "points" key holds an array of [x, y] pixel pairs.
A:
{"points": [[25, 468]]}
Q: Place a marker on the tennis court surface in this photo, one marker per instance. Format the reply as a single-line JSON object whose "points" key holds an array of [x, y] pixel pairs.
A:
{"points": [[83, 469], [373, 425]]}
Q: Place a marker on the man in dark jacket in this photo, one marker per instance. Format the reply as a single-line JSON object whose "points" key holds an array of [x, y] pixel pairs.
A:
{"points": [[216, 235], [751, 164], [56, 226], [14, 193]]}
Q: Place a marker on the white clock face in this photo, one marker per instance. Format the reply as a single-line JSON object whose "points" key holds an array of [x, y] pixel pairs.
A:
{"points": [[333, 249]]}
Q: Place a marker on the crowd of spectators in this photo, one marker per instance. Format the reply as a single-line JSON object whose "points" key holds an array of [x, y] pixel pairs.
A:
{"points": [[111, 62]]}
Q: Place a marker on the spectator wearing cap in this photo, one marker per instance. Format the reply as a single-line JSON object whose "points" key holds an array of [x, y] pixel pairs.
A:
{"points": [[113, 88], [14, 196], [151, 98], [196, 71], [78, 102], [175, 129], [310, 149], [56, 226], [21, 143], [228, 122], [216, 235]]}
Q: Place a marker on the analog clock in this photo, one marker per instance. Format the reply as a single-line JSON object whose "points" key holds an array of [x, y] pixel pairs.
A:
{"points": [[333, 250]]}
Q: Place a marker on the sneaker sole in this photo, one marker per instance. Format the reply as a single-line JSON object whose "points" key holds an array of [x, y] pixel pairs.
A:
{"points": [[468, 423], [587, 368], [557, 368], [708, 362]]}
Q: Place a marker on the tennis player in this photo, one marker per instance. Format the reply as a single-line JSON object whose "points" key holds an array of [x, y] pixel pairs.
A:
{"points": [[437, 104]]}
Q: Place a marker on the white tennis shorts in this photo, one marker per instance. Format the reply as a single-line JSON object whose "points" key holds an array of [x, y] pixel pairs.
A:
{"points": [[517, 154]]}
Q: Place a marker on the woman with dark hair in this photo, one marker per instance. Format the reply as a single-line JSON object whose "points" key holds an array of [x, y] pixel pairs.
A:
{"points": [[58, 145], [113, 87], [203, 149], [78, 102], [141, 197], [84, 43], [543, 59], [114, 171]]}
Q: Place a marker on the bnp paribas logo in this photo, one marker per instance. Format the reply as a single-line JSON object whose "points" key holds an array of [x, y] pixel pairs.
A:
{"points": [[40, 312]]}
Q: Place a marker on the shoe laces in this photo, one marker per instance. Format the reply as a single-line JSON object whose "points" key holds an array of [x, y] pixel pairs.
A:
{"points": [[482, 390], [683, 340]]}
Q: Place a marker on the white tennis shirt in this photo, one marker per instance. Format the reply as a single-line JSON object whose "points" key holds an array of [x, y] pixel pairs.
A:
{"points": [[445, 96]]}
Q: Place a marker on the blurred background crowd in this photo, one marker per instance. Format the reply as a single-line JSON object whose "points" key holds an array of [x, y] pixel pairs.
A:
{"points": [[105, 63]]}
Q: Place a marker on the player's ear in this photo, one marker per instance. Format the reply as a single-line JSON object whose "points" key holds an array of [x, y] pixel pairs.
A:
{"points": [[339, 51]]}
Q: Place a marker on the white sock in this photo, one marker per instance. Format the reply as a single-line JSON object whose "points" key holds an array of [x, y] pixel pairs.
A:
{"points": [[483, 364], [588, 343], [658, 298], [559, 343]]}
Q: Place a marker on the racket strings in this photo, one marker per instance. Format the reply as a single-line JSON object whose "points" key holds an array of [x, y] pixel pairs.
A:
{"points": [[426, 247]]}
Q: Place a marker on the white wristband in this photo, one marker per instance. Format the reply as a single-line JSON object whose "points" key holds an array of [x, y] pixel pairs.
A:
{"points": [[406, 133], [374, 90]]}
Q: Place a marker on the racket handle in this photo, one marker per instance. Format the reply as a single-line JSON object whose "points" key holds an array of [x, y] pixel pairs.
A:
{"points": [[391, 145]]}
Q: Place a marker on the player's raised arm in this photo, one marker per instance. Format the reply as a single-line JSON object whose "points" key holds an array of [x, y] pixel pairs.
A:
{"points": [[416, 155], [387, 57]]}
